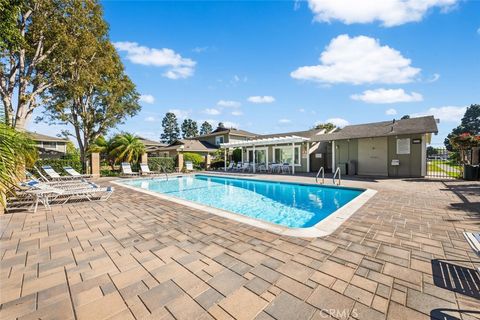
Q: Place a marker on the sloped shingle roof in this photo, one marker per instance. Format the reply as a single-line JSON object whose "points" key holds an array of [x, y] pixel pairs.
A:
{"points": [[382, 129]]}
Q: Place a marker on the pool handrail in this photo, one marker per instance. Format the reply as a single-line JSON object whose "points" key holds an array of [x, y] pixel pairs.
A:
{"points": [[339, 176], [322, 170]]}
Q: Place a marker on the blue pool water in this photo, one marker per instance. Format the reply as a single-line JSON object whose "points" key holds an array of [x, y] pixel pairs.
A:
{"points": [[287, 204]]}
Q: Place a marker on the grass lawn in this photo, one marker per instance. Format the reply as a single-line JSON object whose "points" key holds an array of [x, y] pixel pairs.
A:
{"points": [[444, 167]]}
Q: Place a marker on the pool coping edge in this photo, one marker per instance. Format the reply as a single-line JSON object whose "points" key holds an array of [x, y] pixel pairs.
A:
{"points": [[323, 228]]}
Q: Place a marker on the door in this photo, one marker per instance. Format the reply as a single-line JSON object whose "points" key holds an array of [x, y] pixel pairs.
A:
{"points": [[373, 156]]}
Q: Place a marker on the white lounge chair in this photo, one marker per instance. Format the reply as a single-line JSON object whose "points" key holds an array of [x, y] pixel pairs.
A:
{"points": [[230, 166], [54, 175], [473, 239], [145, 170], [44, 193], [74, 173], [127, 170], [238, 167], [188, 165]]}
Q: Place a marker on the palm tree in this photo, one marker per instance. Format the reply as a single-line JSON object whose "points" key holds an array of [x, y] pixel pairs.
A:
{"points": [[126, 147], [17, 151]]}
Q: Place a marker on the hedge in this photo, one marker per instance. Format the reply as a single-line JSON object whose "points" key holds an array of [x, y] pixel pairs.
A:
{"points": [[196, 159], [58, 164], [156, 163]]}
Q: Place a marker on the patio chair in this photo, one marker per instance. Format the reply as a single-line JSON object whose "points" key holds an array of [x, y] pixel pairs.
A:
{"points": [[54, 175], [285, 167], [74, 173], [246, 166], [262, 167], [127, 170], [230, 166], [145, 170], [188, 166], [238, 167]]}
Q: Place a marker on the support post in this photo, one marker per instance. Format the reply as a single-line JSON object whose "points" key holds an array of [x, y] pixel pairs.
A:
{"points": [[308, 156], [225, 160], [293, 158], [180, 162], [95, 164], [208, 161], [253, 158], [333, 157], [242, 154], [144, 158]]}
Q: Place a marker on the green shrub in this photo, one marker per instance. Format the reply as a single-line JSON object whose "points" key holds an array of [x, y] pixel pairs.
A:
{"points": [[218, 164], [237, 155], [58, 164], [156, 163], [196, 159]]}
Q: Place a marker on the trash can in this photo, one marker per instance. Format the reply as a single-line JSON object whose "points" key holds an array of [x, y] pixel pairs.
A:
{"points": [[352, 168], [343, 168], [470, 172]]}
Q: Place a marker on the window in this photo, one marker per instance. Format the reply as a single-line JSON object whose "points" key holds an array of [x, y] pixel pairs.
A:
{"points": [[218, 140], [50, 145], [284, 155], [260, 155]]}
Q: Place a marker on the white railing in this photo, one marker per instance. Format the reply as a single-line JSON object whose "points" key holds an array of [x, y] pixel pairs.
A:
{"points": [[323, 175], [339, 176]]}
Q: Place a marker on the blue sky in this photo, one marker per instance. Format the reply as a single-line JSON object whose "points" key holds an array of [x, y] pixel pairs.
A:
{"points": [[273, 66]]}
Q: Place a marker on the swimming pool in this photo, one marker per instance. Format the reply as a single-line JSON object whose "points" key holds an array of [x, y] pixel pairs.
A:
{"points": [[290, 205]]}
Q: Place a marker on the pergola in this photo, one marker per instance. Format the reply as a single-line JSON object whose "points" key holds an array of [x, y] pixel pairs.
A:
{"points": [[261, 143]]}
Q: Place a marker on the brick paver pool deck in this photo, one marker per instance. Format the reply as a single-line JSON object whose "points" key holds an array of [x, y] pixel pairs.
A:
{"points": [[401, 256]]}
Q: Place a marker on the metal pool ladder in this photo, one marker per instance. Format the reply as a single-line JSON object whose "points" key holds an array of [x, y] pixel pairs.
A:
{"points": [[339, 176], [321, 170], [164, 171]]}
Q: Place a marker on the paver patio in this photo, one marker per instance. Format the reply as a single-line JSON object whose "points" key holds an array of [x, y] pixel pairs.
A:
{"points": [[139, 257]]}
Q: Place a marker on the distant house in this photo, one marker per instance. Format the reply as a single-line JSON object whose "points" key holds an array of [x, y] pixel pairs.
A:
{"points": [[49, 147], [225, 135], [151, 147]]}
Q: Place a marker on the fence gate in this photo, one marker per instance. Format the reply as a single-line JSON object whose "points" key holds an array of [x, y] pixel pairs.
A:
{"points": [[442, 164]]}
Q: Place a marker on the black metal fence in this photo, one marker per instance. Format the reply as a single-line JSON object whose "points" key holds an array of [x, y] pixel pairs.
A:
{"points": [[442, 163]]}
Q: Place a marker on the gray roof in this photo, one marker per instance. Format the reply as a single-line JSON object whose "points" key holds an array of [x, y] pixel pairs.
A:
{"points": [[306, 134], [232, 131], [42, 137], [382, 129], [150, 143], [190, 146]]}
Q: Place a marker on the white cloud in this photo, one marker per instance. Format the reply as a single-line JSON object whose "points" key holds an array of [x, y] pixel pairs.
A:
{"points": [[181, 114], [445, 114], [261, 99], [391, 112], [150, 119], [284, 121], [358, 60], [177, 66], [229, 103], [387, 96], [478, 30], [434, 77], [147, 98], [229, 124], [200, 49], [301, 110], [389, 12], [212, 111], [338, 122], [237, 113]]}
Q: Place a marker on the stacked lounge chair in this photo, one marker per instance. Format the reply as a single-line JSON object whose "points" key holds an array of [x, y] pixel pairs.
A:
{"points": [[74, 173]]}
